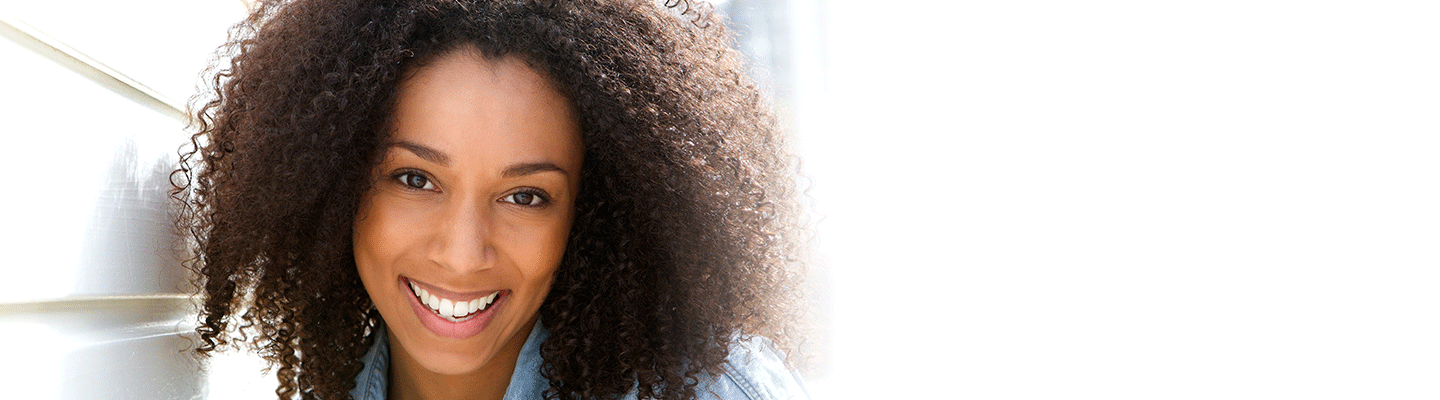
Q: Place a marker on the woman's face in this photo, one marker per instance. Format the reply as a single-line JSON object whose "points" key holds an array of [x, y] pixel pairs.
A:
{"points": [[459, 240]]}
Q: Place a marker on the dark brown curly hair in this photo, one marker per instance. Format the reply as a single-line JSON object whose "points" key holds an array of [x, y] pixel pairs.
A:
{"points": [[685, 226]]}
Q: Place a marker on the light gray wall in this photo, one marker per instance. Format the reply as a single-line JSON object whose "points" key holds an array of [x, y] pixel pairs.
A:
{"points": [[94, 304]]}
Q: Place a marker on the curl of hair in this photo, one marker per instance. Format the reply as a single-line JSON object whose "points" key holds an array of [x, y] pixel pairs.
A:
{"points": [[685, 227]]}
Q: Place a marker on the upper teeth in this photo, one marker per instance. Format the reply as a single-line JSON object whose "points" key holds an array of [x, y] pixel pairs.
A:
{"points": [[451, 308]]}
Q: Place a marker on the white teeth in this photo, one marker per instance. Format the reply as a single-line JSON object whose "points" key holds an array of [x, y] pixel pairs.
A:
{"points": [[451, 309], [446, 307]]}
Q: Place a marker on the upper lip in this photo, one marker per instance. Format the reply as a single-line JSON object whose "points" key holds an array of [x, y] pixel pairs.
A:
{"points": [[449, 294]]}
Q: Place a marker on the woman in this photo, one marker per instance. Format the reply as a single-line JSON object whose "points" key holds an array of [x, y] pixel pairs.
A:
{"points": [[493, 199]]}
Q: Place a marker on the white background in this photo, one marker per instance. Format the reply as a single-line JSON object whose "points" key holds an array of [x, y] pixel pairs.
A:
{"points": [[1129, 199]]}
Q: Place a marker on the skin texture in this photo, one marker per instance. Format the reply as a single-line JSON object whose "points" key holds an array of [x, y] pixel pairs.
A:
{"points": [[684, 234], [464, 229]]}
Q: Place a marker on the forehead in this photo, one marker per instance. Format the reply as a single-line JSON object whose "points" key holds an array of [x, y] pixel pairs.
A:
{"points": [[486, 109]]}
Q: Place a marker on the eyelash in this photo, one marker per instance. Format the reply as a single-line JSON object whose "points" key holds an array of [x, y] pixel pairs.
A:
{"points": [[540, 195], [541, 199], [403, 174]]}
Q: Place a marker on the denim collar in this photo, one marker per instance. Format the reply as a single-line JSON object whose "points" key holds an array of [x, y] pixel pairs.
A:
{"points": [[526, 383]]}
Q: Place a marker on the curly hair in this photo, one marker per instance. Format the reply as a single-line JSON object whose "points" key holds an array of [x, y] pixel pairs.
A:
{"points": [[685, 228]]}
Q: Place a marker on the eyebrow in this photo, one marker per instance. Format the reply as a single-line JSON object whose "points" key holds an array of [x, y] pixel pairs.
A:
{"points": [[532, 168], [438, 157], [426, 153]]}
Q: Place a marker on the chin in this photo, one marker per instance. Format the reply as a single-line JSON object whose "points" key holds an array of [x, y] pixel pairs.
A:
{"points": [[451, 363]]}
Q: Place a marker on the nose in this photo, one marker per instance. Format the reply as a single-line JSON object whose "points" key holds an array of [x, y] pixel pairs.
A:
{"points": [[462, 242]]}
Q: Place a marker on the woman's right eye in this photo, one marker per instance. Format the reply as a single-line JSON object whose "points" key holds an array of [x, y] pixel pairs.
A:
{"points": [[416, 180]]}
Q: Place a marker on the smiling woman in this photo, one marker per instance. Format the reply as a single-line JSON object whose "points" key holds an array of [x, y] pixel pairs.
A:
{"points": [[459, 240], [494, 199]]}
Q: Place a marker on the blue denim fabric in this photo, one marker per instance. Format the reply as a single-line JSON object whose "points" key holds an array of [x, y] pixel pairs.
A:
{"points": [[753, 371]]}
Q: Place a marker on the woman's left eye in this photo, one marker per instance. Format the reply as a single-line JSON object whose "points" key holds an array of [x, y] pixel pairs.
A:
{"points": [[524, 199]]}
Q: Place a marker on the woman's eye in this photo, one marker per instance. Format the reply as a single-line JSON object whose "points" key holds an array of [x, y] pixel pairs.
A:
{"points": [[524, 199], [416, 181]]}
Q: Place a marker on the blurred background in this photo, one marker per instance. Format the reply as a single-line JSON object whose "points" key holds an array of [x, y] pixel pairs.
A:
{"points": [[1012, 200]]}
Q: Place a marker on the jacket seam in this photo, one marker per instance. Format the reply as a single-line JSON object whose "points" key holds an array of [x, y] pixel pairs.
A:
{"points": [[369, 391], [372, 382], [745, 385]]}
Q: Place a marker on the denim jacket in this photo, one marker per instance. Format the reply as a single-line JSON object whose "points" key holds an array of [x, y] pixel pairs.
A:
{"points": [[753, 371]]}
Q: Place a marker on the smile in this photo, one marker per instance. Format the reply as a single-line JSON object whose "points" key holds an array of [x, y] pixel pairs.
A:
{"points": [[452, 310]]}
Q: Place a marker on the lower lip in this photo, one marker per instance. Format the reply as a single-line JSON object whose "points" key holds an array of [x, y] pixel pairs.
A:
{"points": [[445, 328]]}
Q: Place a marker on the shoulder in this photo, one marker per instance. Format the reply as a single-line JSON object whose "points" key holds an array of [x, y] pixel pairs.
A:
{"points": [[753, 371]]}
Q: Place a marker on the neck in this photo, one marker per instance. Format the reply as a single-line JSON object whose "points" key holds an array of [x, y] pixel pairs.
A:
{"points": [[411, 381]]}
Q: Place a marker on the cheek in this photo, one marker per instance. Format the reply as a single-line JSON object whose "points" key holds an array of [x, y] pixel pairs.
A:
{"points": [[365, 259], [547, 250], [375, 244]]}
